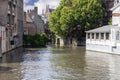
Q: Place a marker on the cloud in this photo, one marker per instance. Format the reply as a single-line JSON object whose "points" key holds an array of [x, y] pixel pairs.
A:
{"points": [[41, 4], [26, 1]]}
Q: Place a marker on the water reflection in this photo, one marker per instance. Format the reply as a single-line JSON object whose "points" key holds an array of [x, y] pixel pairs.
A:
{"points": [[10, 68], [102, 66], [13, 56], [53, 63]]}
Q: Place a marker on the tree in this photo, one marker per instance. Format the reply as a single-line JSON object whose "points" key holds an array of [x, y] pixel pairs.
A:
{"points": [[73, 17], [59, 20], [88, 13], [37, 40]]}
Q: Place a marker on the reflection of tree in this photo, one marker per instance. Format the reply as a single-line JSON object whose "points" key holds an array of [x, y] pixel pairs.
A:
{"points": [[70, 61]]}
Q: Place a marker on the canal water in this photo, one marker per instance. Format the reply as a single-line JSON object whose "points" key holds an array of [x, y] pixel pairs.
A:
{"points": [[53, 63]]}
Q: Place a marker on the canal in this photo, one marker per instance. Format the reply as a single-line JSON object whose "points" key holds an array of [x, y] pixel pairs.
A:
{"points": [[53, 63]]}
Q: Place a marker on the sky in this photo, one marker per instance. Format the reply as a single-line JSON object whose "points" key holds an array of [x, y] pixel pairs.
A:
{"points": [[41, 4]]}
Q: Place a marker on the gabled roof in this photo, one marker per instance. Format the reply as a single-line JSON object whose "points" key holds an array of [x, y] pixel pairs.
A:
{"points": [[28, 19], [116, 6], [102, 29]]}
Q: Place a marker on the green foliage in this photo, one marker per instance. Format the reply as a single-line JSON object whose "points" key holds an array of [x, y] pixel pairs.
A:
{"points": [[71, 13], [35, 41], [110, 21]]}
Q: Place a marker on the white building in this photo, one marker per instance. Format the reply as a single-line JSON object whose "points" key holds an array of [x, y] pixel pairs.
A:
{"points": [[106, 38]]}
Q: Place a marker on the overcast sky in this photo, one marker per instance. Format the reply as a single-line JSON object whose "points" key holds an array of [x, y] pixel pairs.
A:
{"points": [[41, 4]]}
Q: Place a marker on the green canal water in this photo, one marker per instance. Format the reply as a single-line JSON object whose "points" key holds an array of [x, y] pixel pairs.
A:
{"points": [[53, 63]]}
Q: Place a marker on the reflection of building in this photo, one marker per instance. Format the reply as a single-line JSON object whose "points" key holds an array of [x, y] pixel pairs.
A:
{"points": [[106, 38], [11, 18]]}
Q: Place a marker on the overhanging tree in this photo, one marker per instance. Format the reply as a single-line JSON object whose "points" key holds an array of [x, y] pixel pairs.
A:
{"points": [[73, 17]]}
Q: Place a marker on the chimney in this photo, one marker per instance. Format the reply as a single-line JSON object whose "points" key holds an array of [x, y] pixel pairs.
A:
{"points": [[36, 10]]}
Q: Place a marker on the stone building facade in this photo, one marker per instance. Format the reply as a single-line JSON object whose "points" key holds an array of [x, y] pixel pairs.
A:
{"points": [[19, 23], [11, 20], [37, 20], [2, 40]]}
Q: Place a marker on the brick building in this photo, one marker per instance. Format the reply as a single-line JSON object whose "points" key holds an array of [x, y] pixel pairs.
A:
{"points": [[29, 26], [36, 20]]}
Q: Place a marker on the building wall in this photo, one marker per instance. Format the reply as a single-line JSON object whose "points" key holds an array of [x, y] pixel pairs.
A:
{"points": [[11, 18], [3, 43], [116, 16], [20, 21], [4, 12], [3, 39], [100, 48], [31, 28], [110, 46], [3, 24], [104, 48], [59, 41], [37, 20]]}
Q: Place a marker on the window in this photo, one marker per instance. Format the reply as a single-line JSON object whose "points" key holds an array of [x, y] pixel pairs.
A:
{"points": [[107, 36], [8, 21], [92, 35], [102, 35], [88, 35], [97, 35]]}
